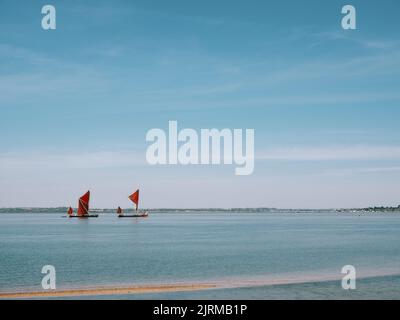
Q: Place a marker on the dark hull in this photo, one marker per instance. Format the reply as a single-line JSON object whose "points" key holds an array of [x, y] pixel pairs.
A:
{"points": [[132, 216], [85, 216]]}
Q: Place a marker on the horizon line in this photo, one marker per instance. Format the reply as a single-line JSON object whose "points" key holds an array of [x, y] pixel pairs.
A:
{"points": [[210, 208]]}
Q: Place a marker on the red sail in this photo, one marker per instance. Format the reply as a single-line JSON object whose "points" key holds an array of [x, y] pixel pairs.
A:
{"points": [[83, 205], [135, 198], [70, 211], [119, 210]]}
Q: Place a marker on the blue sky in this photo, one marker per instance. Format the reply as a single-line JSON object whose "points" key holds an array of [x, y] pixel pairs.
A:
{"points": [[76, 102]]}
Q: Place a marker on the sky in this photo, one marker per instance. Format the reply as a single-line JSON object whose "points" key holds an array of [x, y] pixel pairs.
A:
{"points": [[76, 102]]}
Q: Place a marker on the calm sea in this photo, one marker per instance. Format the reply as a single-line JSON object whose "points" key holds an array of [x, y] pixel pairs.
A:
{"points": [[244, 252]]}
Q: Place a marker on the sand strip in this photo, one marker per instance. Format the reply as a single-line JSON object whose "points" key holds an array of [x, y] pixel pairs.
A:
{"points": [[105, 291], [270, 280]]}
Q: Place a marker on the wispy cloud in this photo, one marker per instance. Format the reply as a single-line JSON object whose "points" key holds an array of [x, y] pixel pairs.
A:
{"points": [[324, 153], [366, 43], [10, 52], [123, 158], [82, 160], [353, 171]]}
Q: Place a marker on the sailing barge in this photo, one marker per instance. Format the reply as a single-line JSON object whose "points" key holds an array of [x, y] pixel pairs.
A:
{"points": [[83, 208], [134, 197]]}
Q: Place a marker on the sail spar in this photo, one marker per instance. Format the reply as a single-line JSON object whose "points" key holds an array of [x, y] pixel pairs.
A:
{"points": [[134, 197], [83, 205]]}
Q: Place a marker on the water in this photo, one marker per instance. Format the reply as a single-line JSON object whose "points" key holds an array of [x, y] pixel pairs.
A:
{"points": [[244, 252]]}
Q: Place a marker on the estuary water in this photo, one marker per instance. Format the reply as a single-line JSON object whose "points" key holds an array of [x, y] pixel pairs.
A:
{"points": [[249, 255]]}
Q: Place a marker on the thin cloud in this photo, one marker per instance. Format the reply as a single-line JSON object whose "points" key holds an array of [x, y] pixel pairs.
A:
{"points": [[11, 52], [126, 158], [356, 171], [344, 153], [366, 43], [83, 160]]}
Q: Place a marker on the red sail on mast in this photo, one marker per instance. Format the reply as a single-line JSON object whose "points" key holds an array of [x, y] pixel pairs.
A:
{"points": [[135, 198], [70, 211], [83, 205]]}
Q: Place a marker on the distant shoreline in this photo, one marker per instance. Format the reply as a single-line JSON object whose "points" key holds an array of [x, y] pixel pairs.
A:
{"points": [[178, 210]]}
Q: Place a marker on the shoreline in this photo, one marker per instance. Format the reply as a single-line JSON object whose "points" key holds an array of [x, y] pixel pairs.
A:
{"points": [[106, 291], [271, 280], [63, 210]]}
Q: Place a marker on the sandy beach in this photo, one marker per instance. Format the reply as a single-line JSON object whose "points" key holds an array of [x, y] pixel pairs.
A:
{"points": [[105, 291], [270, 280]]}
